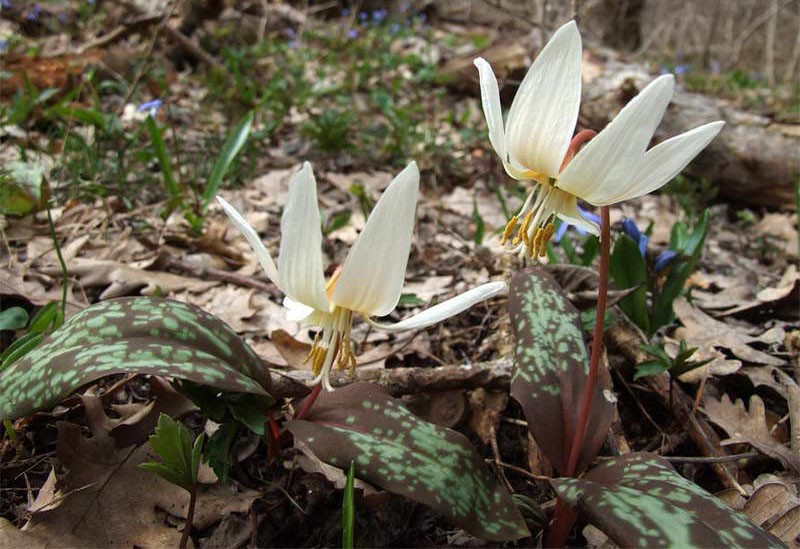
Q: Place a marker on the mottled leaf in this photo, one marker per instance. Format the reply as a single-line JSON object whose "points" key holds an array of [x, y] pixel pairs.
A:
{"points": [[400, 452], [142, 334], [639, 500], [551, 367]]}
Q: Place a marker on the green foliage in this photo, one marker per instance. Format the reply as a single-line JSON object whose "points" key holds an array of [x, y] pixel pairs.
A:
{"points": [[628, 270], [13, 318], [145, 335], [233, 145], [21, 187], [662, 362], [639, 500], [180, 458], [348, 509], [174, 192], [400, 452], [657, 285], [551, 364], [534, 516], [47, 319]]}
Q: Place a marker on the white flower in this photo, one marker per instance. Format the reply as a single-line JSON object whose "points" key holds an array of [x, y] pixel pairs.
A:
{"points": [[369, 282], [534, 143]]}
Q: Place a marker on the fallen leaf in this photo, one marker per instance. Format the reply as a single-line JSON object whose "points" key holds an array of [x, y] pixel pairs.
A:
{"points": [[701, 331], [781, 228], [749, 427], [294, 352], [486, 408]]}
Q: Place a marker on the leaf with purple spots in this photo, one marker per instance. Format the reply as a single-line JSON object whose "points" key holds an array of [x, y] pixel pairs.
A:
{"points": [[144, 335], [394, 449]]}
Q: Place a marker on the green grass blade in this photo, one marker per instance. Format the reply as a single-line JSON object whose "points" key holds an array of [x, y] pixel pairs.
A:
{"points": [[232, 147], [173, 191]]}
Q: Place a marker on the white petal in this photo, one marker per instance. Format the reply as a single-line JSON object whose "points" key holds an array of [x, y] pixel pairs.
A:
{"points": [[544, 112], [373, 273], [666, 160], [608, 160], [490, 99], [300, 259], [254, 240], [568, 211], [445, 309], [296, 311]]}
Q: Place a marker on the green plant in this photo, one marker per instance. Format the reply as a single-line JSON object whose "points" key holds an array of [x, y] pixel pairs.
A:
{"points": [[662, 362], [180, 461], [348, 509]]}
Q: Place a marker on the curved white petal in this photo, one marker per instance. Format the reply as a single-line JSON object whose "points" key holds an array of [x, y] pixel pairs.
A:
{"points": [[445, 309], [373, 273], [544, 112], [254, 240], [300, 259], [666, 160], [490, 99], [296, 311], [607, 161], [568, 212]]}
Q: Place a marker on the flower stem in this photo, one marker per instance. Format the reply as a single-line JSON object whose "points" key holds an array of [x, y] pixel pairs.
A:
{"points": [[187, 528], [308, 402], [564, 516]]}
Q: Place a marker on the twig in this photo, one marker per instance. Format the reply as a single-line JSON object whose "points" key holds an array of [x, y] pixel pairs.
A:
{"points": [[520, 470], [187, 528], [210, 273], [717, 459]]}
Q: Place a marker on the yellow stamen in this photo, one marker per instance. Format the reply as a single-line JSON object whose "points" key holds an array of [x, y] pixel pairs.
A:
{"points": [[331, 285], [547, 234], [508, 230]]}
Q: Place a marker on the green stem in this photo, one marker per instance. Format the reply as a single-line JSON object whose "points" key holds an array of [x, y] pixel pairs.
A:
{"points": [[564, 516], [64, 272], [187, 528]]}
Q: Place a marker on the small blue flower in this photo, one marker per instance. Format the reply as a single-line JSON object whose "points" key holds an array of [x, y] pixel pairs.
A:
{"points": [[641, 239], [681, 69], [345, 12], [352, 33], [5, 4], [151, 107], [394, 28], [291, 33], [3, 45], [664, 259], [33, 15], [363, 16], [379, 15]]}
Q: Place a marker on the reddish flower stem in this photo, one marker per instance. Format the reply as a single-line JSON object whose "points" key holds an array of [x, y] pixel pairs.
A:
{"points": [[564, 516], [308, 402]]}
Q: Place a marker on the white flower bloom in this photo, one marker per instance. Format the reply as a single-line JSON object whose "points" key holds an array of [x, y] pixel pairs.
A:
{"points": [[369, 282], [534, 143]]}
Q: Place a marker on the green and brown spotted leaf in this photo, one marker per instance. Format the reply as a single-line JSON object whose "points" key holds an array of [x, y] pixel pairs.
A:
{"points": [[394, 449], [639, 500], [145, 335], [551, 364]]}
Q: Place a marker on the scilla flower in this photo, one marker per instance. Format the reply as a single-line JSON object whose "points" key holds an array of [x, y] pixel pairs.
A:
{"points": [[536, 143], [369, 282]]}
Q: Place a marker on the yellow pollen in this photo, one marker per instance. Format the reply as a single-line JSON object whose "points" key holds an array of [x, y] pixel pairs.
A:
{"points": [[331, 284], [546, 236], [508, 230]]}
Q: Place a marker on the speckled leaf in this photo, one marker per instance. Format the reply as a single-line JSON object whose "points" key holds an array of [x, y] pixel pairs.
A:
{"points": [[141, 334], [551, 364], [639, 500], [404, 454]]}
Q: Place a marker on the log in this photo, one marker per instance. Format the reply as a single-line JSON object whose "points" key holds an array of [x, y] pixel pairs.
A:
{"points": [[754, 160]]}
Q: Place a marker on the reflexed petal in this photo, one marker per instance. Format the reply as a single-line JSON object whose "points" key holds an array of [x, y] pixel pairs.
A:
{"points": [[300, 259], [490, 99], [605, 164], [544, 112], [666, 160], [445, 309], [254, 240], [373, 273], [569, 212], [296, 311]]}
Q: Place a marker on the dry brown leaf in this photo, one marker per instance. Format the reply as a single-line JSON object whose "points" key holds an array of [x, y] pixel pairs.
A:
{"points": [[788, 388], [373, 182], [12, 537], [767, 501], [701, 331], [121, 279], [773, 505], [486, 408], [782, 228], [749, 427], [294, 352]]}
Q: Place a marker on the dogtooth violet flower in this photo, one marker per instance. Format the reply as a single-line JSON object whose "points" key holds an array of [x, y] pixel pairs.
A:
{"points": [[536, 143], [367, 284]]}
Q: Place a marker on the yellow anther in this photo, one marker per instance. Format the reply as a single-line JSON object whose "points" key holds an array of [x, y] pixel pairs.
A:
{"points": [[522, 234], [533, 244], [508, 230], [547, 234]]}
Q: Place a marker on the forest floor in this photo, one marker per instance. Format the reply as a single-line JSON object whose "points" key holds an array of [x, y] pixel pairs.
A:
{"points": [[358, 97]]}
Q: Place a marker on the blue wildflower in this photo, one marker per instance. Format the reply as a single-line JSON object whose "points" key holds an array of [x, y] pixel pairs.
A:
{"points": [[681, 69], [379, 15], [33, 15], [641, 239], [5, 4], [664, 259], [3, 45], [151, 107], [363, 16], [345, 12], [352, 33], [291, 33], [394, 28]]}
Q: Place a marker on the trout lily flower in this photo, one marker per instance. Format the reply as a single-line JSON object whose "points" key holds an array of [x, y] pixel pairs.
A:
{"points": [[369, 282], [536, 144]]}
